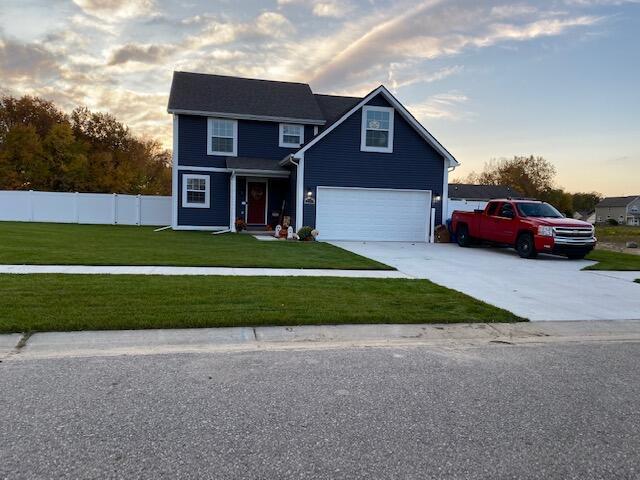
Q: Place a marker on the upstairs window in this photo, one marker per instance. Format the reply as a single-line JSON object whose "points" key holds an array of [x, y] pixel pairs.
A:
{"points": [[223, 137], [195, 191], [377, 129], [291, 135]]}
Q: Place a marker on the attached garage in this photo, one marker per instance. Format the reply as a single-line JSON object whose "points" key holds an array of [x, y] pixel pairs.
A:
{"points": [[373, 214]]}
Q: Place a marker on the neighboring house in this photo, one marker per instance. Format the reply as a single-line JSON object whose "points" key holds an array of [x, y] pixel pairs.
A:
{"points": [[585, 216], [354, 168], [469, 197], [624, 210]]}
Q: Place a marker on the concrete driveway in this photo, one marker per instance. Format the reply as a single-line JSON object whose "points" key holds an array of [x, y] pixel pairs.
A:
{"points": [[548, 288]]}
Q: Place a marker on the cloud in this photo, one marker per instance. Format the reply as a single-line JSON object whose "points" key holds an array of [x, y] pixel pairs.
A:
{"points": [[324, 8], [110, 10], [512, 10], [20, 61], [441, 106], [140, 53]]}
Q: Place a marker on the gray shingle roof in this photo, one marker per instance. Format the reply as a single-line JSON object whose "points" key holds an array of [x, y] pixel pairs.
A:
{"points": [[481, 192], [250, 163], [243, 96], [616, 201], [334, 106]]}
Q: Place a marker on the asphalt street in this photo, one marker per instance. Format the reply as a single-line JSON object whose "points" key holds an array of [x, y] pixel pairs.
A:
{"points": [[563, 410]]}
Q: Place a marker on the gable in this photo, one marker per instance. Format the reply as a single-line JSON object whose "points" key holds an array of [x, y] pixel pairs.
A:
{"points": [[382, 97]]}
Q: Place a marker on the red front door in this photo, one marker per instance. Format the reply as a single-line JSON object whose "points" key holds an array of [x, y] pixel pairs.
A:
{"points": [[257, 202]]}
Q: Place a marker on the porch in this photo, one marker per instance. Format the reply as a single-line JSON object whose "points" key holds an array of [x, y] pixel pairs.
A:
{"points": [[261, 193]]}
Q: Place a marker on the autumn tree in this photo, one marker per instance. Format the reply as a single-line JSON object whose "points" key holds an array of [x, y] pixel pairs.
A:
{"points": [[532, 176], [42, 148]]}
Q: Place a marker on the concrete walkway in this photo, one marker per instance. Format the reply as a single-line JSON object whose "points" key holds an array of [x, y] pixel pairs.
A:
{"points": [[218, 271], [142, 342], [547, 288]]}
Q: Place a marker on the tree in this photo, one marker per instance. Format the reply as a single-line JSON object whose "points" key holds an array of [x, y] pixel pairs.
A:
{"points": [[42, 148], [529, 175], [586, 201], [534, 177]]}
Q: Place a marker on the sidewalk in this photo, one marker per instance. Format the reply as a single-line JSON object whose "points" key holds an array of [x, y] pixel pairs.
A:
{"points": [[154, 270], [16, 347]]}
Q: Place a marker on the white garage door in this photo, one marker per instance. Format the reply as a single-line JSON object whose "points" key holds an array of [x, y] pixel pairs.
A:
{"points": [[374, 214]]}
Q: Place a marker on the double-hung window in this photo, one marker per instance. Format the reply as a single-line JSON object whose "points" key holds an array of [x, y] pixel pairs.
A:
{"points": [[291, 135], [222, 137], [377, 129], [195, 191]]}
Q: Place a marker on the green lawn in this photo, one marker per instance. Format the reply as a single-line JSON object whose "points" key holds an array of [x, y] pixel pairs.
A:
{"points": [[619, 234], [50, 302], [609, 260], [65, 244]]}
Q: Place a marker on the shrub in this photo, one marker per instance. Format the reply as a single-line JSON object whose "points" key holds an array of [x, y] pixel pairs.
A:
{"points": [[305, 233], [612, 221]]}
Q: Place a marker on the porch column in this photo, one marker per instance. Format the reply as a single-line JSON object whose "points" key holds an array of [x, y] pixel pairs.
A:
{"points": [[232, 202]]}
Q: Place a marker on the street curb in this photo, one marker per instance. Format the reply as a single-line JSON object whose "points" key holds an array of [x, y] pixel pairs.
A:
{"points": [[145, 342]]}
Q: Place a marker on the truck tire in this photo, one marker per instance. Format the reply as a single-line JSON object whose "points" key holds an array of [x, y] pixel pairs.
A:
{"points": [[462, 234], [525, 246]]}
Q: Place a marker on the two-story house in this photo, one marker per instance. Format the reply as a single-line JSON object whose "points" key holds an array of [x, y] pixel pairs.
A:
{"points": [[624, 210], [258, 150]]}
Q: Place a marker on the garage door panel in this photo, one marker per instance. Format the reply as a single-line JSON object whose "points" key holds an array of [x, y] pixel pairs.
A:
{"points": [[372, 214]]}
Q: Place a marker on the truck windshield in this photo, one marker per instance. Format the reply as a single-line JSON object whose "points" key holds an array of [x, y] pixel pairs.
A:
{"points": [[538, 210]]}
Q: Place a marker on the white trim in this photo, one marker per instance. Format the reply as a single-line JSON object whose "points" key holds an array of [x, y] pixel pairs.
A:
{"points": [[282, 143], [239, 171], [200, 227], [204, 169], [432, 225], [401, 109], [210, 151], [363, 130], [266, 199], [242, 116], [428, 206], [232, 202], [444, 199], [315, 130], [174, 174], [300, 193], [207, 190]]}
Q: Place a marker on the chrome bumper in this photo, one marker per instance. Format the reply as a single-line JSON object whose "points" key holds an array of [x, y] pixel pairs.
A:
{"points": [[575, 242]]}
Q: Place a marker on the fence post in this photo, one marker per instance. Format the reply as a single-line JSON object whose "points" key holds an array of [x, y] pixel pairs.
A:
{"points": [[138, 210], [115, 208], [31, 205], [76, 211]]}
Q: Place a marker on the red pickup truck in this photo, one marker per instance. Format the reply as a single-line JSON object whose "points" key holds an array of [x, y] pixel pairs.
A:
{"points": [[531, 227]]}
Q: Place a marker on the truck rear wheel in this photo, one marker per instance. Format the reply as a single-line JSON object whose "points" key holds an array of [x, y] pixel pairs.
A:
{"points": [[462, 234], [525, 246]]}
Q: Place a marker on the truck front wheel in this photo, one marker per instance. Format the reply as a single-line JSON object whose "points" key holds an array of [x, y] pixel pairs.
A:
{"points": [[525, 246], [462, 234]]}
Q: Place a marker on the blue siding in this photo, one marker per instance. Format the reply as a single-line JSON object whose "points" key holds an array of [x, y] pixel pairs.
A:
{"points": [[255, 139], [218, 213], [337, 161]]}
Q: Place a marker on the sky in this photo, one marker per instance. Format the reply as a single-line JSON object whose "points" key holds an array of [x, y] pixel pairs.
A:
{"points": [[490, 80]]}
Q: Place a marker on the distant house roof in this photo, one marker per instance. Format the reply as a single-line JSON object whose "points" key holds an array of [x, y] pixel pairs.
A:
{"points": [[243, 97], [481, 192], [250, 163], [616, 201]]}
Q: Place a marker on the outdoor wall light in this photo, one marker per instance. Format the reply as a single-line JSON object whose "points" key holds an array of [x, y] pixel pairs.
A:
{"points": [[437, 198], [309, 193]]}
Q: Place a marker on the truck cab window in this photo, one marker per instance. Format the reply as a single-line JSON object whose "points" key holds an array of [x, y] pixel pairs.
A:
{"points": [[492, 208], [507, 211]]}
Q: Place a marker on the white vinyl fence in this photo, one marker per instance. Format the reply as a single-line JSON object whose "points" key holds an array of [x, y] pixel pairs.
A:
{"points": [[95, 208], [465, 206]]}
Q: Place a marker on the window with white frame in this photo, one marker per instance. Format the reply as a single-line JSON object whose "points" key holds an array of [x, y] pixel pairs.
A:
{"points": [[223, 137], [291, 135], [377, 129], [195, 191]]}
